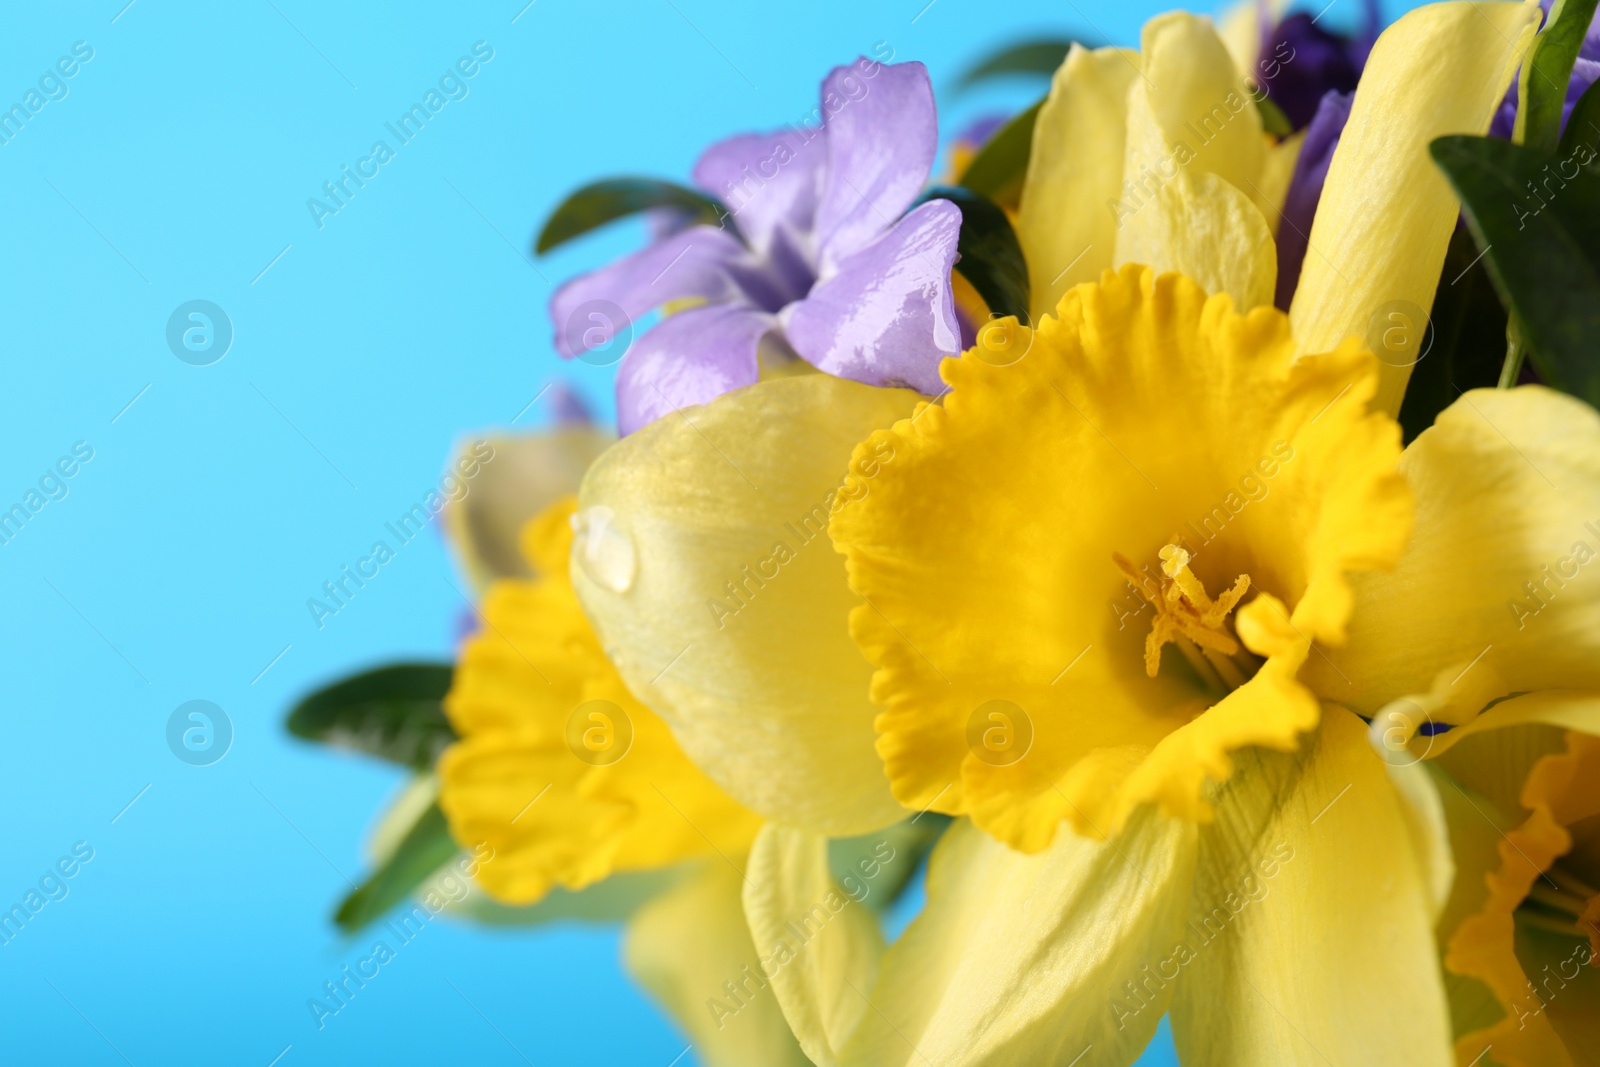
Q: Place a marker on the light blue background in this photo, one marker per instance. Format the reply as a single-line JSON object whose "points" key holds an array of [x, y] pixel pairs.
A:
{"points": [[178, 167]]}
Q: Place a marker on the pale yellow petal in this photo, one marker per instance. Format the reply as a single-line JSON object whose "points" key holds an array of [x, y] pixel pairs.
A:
{"points": [[1026, 959], [706, 567], [1065, 221], [1191, 201], [512, 479], [1198, 99], [1174, 218], [819, 945], [1499, 591], [690, 947], [1240, 30], [1418, 791], [1387, 212], [1311, 934], [1520, 722]]}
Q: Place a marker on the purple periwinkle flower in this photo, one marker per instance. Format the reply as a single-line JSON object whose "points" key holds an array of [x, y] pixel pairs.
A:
{"points": [[820, 254], [1301, 62]]}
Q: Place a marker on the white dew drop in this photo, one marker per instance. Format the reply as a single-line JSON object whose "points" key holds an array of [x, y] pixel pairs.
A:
{"points": [[603, 549]]}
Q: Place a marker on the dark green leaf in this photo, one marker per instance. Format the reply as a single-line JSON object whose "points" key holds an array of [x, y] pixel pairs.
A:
{"points": [[1273, 120], [991, 259], [999, 167], [1542, 251], [615, 198], [1584, 125], [1026, 57], [393, 712], [877, 867], [426, 847], [1468, 338], [1549, 70]]}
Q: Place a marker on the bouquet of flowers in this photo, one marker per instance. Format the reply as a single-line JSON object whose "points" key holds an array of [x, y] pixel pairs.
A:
{"points": [[1171, 533]]}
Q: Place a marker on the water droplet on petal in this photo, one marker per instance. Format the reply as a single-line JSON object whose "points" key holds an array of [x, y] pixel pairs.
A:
{"points": [[603, 549]]}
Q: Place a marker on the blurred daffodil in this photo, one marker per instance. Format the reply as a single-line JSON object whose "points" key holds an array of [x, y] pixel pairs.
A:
{"points": [[569, 780], [559, 769], [1522, 935]]}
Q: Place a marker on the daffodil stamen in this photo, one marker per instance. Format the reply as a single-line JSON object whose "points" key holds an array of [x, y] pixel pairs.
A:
{"points": [[1570, 905], [1187, 617], [1572, 884]]}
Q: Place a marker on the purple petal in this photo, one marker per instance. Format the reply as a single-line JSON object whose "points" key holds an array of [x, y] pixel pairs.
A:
{"points": [[883, 132], [887, 316], [1301, 62], [692, 357], [1504, 119], [1305, 189], [768, 181], [693, 263]]}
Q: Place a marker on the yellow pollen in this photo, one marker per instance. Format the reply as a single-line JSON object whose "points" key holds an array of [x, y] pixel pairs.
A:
{"points": [[1185, 614]]}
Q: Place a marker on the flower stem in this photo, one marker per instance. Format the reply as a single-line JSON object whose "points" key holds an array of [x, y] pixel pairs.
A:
{"points": [[1516, 352]]}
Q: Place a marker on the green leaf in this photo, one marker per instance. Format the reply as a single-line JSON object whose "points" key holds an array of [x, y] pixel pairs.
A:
{"points": [[1273, 120], [1468, 331], [1000, 165], [1543, 252], [393, 712], [991, 257], [1549, 68], [1584, 125], [877, 867], [1027, 57], [615, 198], [426, 847]]}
